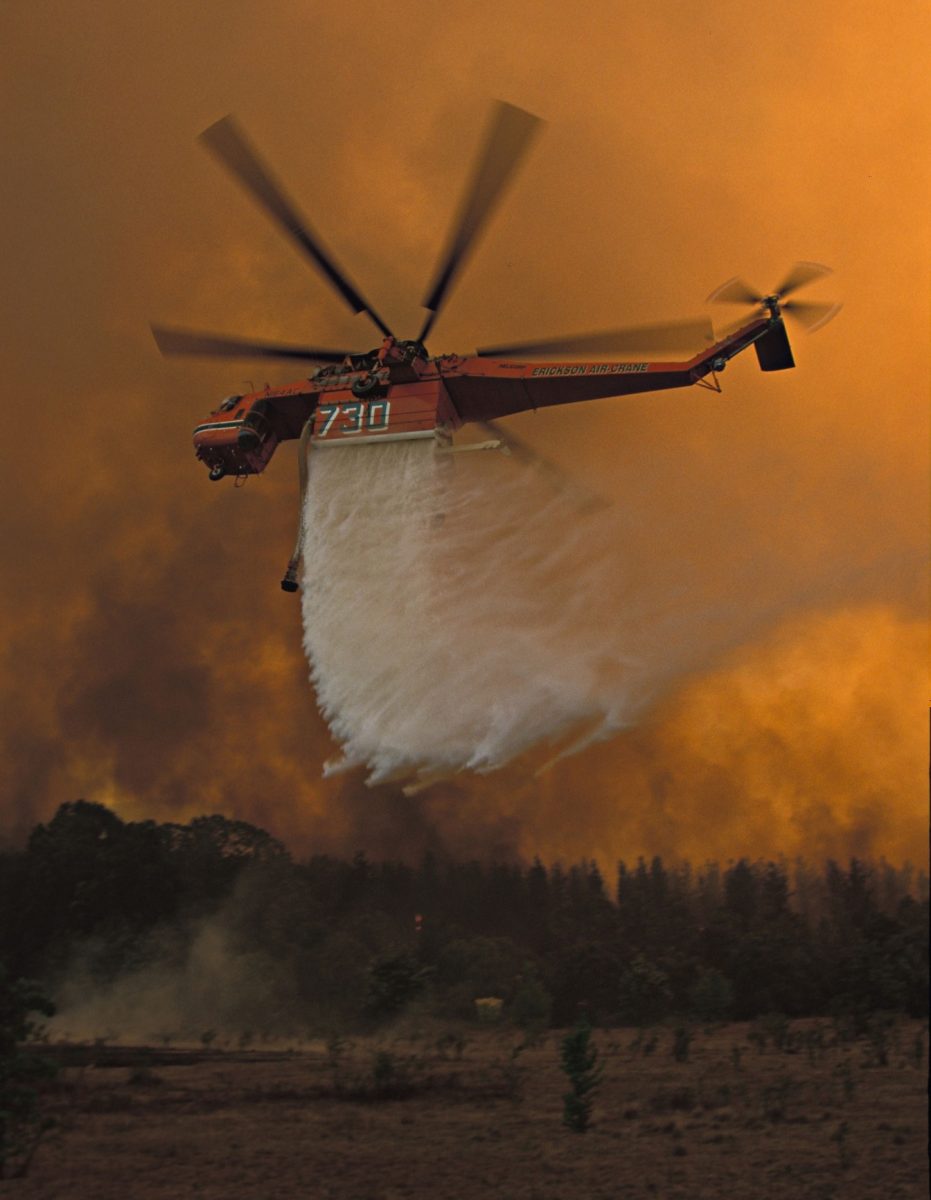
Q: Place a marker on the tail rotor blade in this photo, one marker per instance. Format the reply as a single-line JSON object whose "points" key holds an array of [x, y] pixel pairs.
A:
{"points": [[812, 315], [215, 345], [510, 134], [225, 140], [800, 275], [735, 291], [669, 336]]}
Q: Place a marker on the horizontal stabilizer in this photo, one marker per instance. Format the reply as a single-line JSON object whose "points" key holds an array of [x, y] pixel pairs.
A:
{"points": [[773, 349]]}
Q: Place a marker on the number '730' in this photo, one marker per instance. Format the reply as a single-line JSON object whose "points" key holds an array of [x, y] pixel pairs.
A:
{"points": [[358, 416]]}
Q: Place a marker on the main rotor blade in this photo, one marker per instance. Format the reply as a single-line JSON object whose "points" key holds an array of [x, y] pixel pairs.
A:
{"points": [[735, 291], [726, 331], [801, 273], [671, 335], [216, 345], [584, 497], [510, 132], [225, 140], [812, 315]]}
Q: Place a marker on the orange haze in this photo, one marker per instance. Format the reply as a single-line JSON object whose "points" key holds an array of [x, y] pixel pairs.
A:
{"points": [[150, 661]]}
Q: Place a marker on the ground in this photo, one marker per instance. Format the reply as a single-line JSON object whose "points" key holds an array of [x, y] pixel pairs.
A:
{"points": [[449, 1113]]}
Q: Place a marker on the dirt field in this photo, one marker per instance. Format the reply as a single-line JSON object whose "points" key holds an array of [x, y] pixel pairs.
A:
{"points": [[455, 1113]]}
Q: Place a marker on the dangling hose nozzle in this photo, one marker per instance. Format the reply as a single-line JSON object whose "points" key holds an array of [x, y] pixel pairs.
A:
{"points": [[289, 583]]}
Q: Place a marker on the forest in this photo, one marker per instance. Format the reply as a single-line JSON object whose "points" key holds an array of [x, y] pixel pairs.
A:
{"points": [[229, 931]]}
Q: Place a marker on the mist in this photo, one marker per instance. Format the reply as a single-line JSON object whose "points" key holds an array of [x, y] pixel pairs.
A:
{"points": [[462, 609]]}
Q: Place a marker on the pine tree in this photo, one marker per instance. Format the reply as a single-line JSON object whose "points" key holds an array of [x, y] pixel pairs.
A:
{"points": [[579, 1059]]}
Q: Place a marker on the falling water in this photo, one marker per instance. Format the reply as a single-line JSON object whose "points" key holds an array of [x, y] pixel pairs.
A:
{"points": [[451, 610], [461, 609]]}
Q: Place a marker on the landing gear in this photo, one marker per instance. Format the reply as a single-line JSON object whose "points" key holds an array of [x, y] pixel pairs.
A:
{"points": [[217, 473], [369, 388], [289, 583]]}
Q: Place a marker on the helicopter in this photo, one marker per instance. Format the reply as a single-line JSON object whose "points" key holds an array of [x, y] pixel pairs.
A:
{"points": [[399, 391]]}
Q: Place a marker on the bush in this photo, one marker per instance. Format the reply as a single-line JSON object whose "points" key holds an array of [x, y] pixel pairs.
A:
{"points": [[770, 1027], [531, 1005], [711, 996], [645, 994], [488, 1009], [585, 973], [681, 1041], [579, 1063], [392, 984], [489, 964], [22, 1125]]}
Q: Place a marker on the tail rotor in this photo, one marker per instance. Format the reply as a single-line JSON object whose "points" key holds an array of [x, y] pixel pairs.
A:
{"points": [[811, 315]]}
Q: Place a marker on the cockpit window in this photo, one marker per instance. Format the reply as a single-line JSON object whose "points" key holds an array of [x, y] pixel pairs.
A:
{"points": [[229, 403]]}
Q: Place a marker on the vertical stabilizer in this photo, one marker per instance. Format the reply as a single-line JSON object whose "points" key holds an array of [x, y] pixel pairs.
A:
{"points": [[773, 349]]}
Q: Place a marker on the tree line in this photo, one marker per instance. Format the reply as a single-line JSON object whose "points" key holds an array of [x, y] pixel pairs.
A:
{"points": [[356, 941]]}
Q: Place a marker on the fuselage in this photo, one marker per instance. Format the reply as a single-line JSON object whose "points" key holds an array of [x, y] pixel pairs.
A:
{"points": [[399, 392]]}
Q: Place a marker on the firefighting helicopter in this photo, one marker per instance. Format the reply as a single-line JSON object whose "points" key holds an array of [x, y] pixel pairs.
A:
{"points": [[400, 391]]}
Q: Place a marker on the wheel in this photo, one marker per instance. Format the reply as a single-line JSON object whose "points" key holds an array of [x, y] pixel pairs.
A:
{"points": [[363, 388]]}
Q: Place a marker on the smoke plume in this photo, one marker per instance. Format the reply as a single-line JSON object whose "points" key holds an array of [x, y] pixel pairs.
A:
{"points": [[755, 590]]}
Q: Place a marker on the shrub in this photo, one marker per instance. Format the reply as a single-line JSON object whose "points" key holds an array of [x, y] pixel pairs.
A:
{"points": [[531, 1005], [22, 1125], [711, 996], [843, 1150], [470, 969], [390, 1077], [579, 1060], [392, 984], [770, 1027], [681, 1040], [880, 1032], [644, 993], [143, 1076], [488, 1009]]}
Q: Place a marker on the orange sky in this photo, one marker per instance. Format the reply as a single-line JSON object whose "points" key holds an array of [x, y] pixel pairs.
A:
{"points": [[150, 660]]}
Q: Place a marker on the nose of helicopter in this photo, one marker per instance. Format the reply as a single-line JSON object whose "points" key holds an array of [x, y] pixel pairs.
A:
{"points": [[239, 444]]}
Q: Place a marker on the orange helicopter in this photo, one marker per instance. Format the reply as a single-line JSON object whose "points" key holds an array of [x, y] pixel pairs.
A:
{"points": [[400, 391]]}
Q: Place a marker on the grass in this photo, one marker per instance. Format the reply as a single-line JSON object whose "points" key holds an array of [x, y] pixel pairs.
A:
{"points": [[456, 1113]]}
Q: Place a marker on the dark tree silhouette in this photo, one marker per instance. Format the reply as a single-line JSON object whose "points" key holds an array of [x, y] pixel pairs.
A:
{"points": [[344, 938]]}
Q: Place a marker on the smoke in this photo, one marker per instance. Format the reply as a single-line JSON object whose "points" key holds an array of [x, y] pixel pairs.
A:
{"points": [[196, 984], [150, 660]]}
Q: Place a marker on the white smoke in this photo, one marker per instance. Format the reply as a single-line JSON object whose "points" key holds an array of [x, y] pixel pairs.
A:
{"points": [[460, 609]]}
